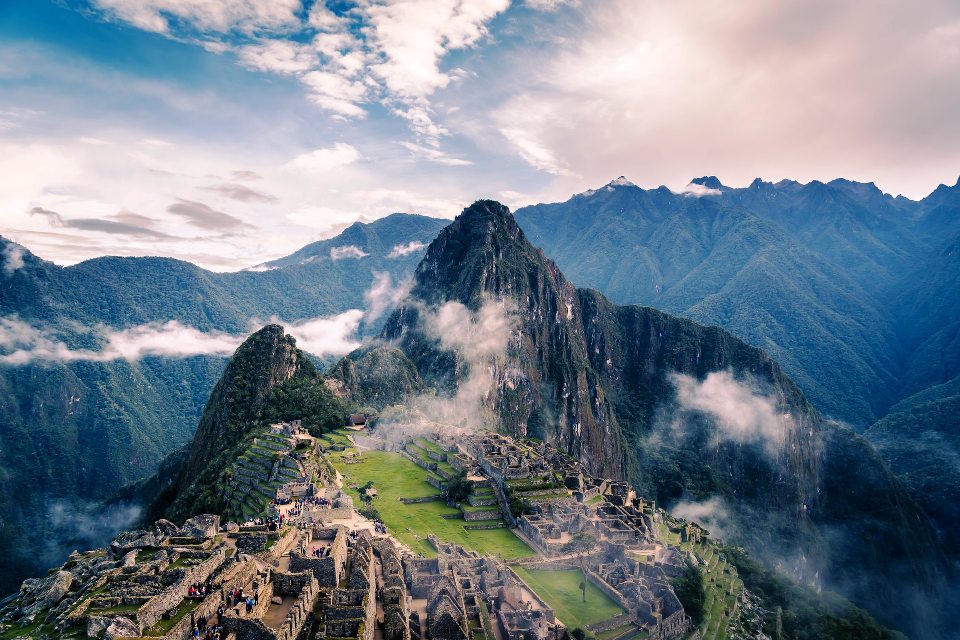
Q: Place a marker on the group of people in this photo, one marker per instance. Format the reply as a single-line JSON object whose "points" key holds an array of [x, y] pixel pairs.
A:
{"points": [[237, 598], [199, 589], [272, 524], [202, 629]]}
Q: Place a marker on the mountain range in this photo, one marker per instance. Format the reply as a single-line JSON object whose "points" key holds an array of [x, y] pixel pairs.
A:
{"points": [[685, 412], [852, 292]]}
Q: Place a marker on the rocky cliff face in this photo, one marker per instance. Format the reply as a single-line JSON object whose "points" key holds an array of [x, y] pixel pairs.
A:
{"points": [[628, 391]]}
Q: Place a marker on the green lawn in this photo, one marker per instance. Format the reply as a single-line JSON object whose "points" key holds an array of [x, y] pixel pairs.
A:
{"points": [[561, 590], [397, 477]]}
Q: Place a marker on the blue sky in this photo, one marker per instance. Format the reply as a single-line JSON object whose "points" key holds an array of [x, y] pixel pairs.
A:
{"points": [[230, 132]]}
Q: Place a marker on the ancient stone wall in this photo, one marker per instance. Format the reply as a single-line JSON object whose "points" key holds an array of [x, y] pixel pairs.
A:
{"points": [[150, 613]]}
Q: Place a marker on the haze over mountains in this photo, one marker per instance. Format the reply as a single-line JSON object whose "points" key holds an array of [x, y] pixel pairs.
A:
{"points": [[852, 292]]}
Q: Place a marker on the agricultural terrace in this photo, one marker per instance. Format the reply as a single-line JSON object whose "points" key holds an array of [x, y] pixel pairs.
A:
{"points": [[722, 586]]}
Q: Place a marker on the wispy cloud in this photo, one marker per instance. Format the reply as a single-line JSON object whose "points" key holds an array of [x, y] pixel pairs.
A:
{"points": [[12, 258], [204, 216], [24, 343], [240, 192], [383, 295], [386, 53], [406, 249], [347, 251], [434, 155], [325, 159], [740, 412], [335, 336], [123, 223]]}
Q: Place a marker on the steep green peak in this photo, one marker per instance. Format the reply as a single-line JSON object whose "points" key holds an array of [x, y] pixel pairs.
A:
{"points": [[265, 360]]}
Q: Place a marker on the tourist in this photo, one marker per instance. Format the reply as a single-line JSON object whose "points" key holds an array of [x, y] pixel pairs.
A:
{"points": [[196, 632], [220, 615]]}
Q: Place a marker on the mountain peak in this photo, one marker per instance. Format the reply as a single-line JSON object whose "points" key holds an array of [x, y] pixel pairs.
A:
{"points": [[472, 255], [620, 182], [710, 182]]}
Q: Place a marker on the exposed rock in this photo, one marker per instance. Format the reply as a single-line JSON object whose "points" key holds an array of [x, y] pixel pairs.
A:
{"points": [[54, 588], [133, 540], [276, 600], [121, 627], [202, 526], [129, 559], [232, 526], [166, 527], [96, 625]]}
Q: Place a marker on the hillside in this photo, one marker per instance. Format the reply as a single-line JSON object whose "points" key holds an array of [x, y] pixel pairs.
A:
{"points": [[76, 431], [600, 381], [805, 271]]}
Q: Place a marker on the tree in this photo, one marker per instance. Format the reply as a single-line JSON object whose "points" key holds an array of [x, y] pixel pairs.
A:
{"points": [[365, 494], [581, 545], [691, 591], [459, 488], [578, 634]]}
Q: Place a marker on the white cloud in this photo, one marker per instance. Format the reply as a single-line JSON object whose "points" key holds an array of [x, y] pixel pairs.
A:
{"points": [[549, 5], [220, 16], [278, 56], [327, 159], [413, 35], [740, 413], [12, 258], [806, 90], [406, 249], [480, 340], [383, 295], [696, 190], [396, 60], [335, 336], [712, 514], [347, 251], [25, 343], [435, 155], [534, 153]]}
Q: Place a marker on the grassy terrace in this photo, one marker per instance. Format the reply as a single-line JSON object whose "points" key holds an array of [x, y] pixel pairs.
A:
{"points": [[397, 477], [722, 587], [561, 590]]}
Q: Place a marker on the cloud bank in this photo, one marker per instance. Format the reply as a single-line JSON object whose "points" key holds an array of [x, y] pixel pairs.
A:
{"points": [[22, 343]]}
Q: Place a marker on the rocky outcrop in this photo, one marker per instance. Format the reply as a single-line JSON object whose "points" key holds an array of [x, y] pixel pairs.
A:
{"points": [[202, 526]]}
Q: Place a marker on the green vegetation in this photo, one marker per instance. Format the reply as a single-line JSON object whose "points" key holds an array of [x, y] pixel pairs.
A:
{"points": [[561, 590], [806, 615], [396, 477], [459, 488], [163, 626], [691, 592]]}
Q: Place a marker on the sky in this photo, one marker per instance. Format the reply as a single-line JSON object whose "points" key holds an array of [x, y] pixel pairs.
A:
{"points": [[231, 132]]}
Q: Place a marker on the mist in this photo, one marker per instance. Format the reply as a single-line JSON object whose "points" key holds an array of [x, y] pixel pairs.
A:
{"points": [[740, 412], [479, 339]]}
